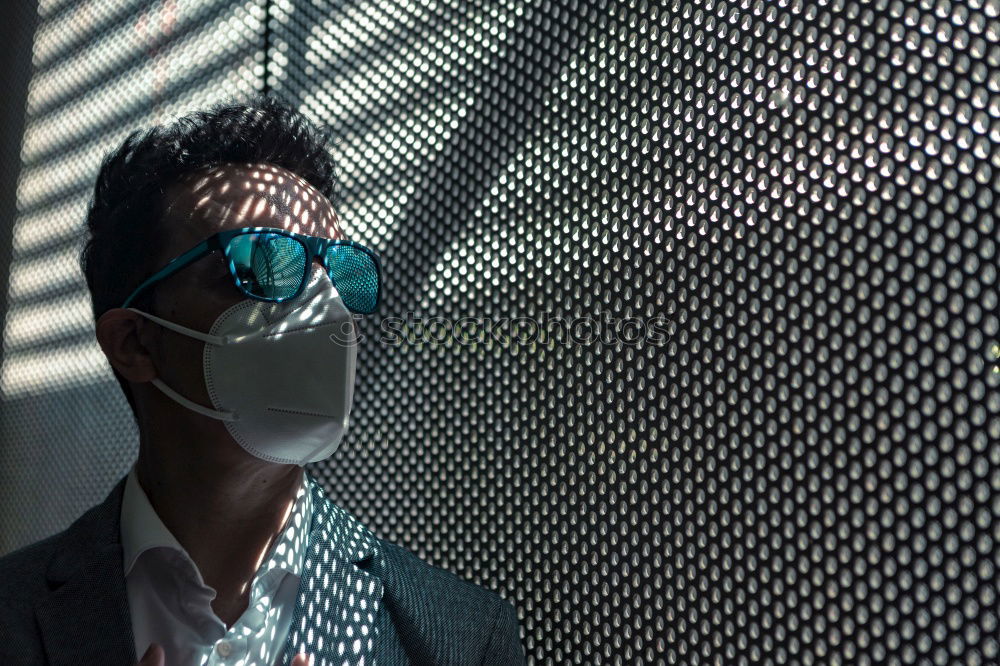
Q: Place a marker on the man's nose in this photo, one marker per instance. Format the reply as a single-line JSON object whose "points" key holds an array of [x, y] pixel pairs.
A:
{"points": [[316, 270]]}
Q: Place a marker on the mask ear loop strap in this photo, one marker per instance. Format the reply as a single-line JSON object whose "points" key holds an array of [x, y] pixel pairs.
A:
{"points": [[223, 415], [194, 406], [184, 330]]}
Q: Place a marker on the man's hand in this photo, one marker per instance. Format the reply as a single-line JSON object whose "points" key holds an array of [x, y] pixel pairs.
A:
{"points": [[155, 657]]}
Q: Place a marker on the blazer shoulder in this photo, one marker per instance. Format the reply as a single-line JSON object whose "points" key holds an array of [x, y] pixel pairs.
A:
{"points": [[477, 622], [22, 572], [435, 582]]}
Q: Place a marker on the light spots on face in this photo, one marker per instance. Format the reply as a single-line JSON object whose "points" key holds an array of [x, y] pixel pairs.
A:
{"points": [[261, 205], [235, 195]]}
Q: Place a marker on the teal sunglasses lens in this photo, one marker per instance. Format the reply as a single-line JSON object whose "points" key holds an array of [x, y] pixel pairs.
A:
{"points": [[356, 277], [268, 265]]}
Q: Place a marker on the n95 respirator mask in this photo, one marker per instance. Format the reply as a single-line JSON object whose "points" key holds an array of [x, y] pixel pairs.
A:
{"points": [[279, 375]]}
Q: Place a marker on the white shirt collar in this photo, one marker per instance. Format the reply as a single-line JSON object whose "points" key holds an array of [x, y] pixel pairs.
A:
{"points": [[142, 530]]}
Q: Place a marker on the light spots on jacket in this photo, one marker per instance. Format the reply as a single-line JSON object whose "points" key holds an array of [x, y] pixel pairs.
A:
{"points": [[338, 601]]}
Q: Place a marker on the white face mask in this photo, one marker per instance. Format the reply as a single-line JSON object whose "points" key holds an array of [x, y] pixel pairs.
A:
{"points": [[280, 375]]}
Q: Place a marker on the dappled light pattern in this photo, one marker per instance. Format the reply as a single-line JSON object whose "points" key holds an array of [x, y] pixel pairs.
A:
{"points": [[338, 601], [266, 196], [152, 554], [805, 191]]}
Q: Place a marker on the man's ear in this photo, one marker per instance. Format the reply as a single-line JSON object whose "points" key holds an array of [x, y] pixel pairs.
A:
{"points": [[124, 339]]}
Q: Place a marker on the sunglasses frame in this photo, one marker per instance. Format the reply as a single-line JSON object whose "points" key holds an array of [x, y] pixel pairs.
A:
{"points": [[314, 245]]}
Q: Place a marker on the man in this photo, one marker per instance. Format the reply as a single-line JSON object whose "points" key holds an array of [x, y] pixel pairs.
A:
{"points": [[224, 295]]}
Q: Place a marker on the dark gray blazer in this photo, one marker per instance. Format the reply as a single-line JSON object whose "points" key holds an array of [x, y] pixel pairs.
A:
{"points": [[63, 600]]}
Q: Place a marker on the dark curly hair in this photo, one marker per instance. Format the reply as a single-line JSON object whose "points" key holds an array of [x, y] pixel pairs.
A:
{"points": [[125, 214]]}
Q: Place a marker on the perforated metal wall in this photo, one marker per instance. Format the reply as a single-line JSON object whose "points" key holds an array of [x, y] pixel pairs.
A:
{"points": [[774, 438]]}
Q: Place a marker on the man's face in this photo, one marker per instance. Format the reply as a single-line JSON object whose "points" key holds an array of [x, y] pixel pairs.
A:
{"points": [[203, 203]]}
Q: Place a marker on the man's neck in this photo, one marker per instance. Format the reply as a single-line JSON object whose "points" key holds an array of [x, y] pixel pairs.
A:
{"points": [[223, 506]]}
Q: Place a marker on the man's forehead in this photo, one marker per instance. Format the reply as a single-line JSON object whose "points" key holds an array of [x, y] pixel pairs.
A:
{"points": [[234, 195]]}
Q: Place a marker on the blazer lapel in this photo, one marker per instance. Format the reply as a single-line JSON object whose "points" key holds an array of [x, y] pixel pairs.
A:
{"points": [[339, 602], [85, 620]]}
